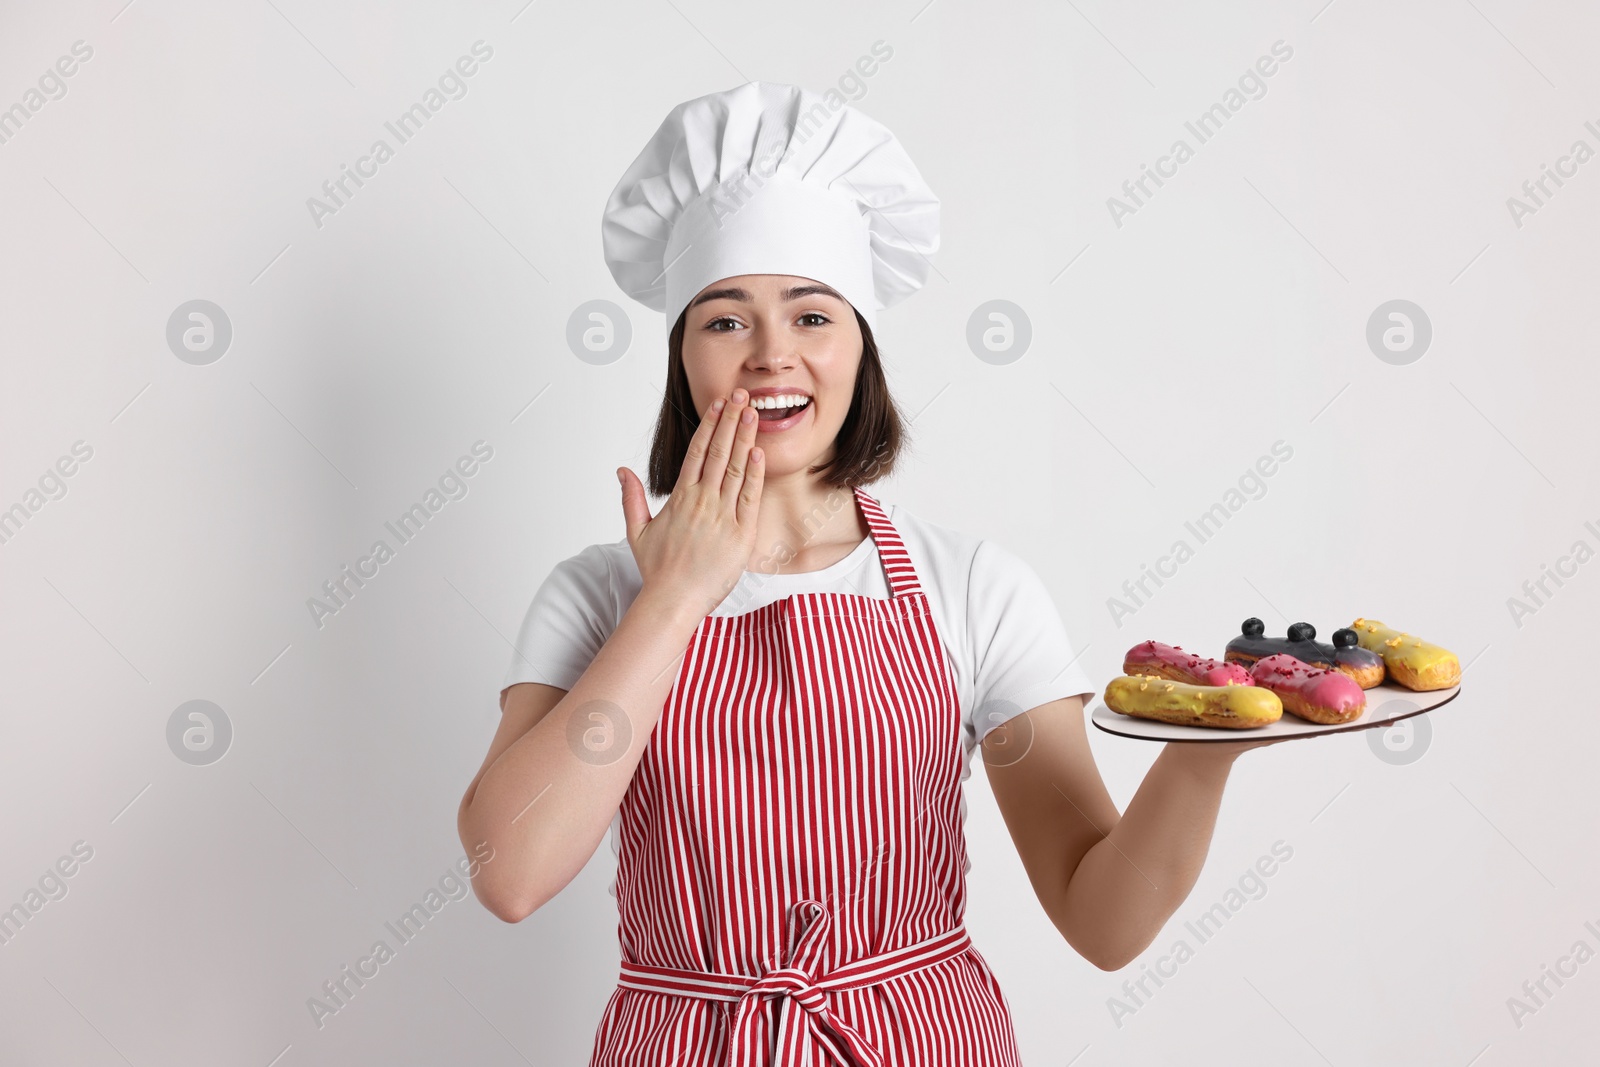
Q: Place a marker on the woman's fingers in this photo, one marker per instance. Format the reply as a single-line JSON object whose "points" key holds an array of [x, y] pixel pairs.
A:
{"points": [[750, 491], [694, 458], [739, 461], [635, 506], [701, 536], [721, 445]]}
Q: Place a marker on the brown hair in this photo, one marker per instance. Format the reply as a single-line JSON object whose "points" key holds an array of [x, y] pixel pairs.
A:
{"points": [[868, 444]]}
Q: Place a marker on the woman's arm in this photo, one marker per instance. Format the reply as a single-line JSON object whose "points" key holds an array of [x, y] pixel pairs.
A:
{"points": [[560, 764], [549, 787], [1108, 882]]}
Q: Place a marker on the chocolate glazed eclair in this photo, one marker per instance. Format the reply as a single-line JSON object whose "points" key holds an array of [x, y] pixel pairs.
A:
{"points": [[1345, 654]]}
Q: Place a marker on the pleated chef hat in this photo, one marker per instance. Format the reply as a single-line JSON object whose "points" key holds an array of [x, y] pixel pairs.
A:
{"points": [[770, 179]]}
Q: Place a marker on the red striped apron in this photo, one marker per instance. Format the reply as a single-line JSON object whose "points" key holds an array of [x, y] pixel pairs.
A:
{"points": [[791, 863]]}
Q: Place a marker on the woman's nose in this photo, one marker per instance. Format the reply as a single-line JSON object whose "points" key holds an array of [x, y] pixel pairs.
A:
{"points": [[772, 351]]}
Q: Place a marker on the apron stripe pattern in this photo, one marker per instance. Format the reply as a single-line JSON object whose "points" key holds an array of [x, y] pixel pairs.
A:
{"points": [[790, 880]]}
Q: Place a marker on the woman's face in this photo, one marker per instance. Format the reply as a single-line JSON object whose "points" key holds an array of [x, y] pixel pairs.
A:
{"points": [[776, 335]]}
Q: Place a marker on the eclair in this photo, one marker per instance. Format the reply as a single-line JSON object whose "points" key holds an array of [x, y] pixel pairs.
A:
{"points": [[1174, 664], [1345, 654], [1316, 694], [1231, 706], [1415, 663]]}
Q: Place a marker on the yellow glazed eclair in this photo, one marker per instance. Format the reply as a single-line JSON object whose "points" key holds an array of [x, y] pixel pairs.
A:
{"points": [[1410, 660], [1232, 706]]}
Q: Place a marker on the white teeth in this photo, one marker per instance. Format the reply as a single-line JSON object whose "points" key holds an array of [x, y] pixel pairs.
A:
{"points": [[786, 401]]}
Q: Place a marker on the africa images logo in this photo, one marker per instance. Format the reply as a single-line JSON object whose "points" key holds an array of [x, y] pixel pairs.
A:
{"points": [[453, 885], [342, 588], [1206, 125], [452, 85]]}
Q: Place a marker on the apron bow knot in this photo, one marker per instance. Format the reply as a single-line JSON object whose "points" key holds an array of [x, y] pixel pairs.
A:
{"points": [[792, 982], [793, 985]]}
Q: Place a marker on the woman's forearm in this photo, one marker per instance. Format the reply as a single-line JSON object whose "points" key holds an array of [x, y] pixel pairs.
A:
{"points": [[545, 803], [1129, 884]]}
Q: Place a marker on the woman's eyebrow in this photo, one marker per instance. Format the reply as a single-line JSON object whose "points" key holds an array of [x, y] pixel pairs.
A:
{"points": [[793, 293], [813, 289], [734, 293]]}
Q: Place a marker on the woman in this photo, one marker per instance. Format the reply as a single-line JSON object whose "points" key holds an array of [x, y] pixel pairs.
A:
{"points": [[771, 690]]}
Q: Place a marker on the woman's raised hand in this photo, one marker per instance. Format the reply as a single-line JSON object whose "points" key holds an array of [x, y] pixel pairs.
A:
{"points": [[696, 547]]}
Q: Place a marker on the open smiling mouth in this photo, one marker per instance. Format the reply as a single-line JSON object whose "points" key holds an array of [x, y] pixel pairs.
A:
{"points": [[779, 412]]}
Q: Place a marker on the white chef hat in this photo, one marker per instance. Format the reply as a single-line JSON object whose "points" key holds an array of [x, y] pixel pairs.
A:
{"points": [[770, 179]]}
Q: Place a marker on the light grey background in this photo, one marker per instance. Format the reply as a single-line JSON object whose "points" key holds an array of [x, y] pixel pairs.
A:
{"points": [[1167, 355]]}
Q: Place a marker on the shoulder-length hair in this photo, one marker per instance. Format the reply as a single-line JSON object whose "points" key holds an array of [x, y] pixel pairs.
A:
{"points": [[866, 449]]}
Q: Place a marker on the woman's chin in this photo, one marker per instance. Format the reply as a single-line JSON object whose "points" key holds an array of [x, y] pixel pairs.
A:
{"points": [[788, 461]]}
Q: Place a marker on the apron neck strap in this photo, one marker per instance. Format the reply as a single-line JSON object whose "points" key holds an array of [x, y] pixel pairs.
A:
{"points": [[891, 550]]}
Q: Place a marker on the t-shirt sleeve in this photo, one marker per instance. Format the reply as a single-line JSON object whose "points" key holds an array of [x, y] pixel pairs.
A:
{"points": [[572, 615], [1021, 655]]}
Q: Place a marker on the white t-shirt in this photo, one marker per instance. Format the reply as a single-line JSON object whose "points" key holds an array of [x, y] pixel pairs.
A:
{"points": [[999, 627]]}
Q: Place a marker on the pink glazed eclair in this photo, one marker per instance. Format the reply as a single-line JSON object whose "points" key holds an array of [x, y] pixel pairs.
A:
{"points": [[1173, 663], [1313, 693]]}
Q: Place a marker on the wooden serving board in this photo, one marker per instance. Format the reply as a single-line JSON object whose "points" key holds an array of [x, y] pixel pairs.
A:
{"points": [[1387, 703]]}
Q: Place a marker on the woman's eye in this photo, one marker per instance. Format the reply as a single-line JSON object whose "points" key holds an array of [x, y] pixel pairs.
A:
{"points": [[816, 315], [712, 325]]}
